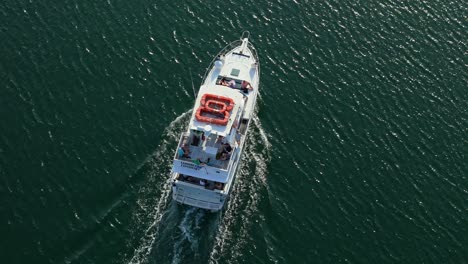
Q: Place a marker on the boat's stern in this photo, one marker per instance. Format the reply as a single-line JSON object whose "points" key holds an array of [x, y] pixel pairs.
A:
{"points": [[197, 192]]}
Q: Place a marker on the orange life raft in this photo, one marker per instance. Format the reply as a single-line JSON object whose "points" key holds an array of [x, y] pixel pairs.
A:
{"points": [[226, 100], [212, 120], [214, 105]]}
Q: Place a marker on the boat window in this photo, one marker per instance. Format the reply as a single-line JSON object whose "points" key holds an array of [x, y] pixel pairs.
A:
{"points": [[235, 72]]}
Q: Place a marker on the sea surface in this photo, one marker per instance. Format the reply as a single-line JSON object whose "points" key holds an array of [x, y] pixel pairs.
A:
{"points": [[358, 152]]}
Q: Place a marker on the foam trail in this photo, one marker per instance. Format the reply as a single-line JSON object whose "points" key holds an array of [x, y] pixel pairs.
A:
{"points": [[158, 160], [262, 132], [188, 228], [242, 205]]}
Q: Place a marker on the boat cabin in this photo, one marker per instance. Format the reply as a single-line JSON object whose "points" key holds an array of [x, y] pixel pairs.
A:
{"points": [[207, 149]]}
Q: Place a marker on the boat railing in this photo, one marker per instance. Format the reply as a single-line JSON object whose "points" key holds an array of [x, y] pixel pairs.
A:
{"points": [[231, 160], [183, 139], [188, 161]]}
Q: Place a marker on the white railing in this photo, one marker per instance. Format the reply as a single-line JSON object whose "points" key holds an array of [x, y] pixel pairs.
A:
{"points": [[183, 137]]}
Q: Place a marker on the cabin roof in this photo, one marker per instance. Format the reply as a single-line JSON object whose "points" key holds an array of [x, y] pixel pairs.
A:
{"points": [[234, 94]]}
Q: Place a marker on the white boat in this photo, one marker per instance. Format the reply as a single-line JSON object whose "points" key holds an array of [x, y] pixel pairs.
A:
{"points": [[209, 152]]}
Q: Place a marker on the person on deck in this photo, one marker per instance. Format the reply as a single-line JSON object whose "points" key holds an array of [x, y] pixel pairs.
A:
{"points": [[227, 148], [223, 82], [184, 151], [245, 86], [225, 156], [232, 84]]}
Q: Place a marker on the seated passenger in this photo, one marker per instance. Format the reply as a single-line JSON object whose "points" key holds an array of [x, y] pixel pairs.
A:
{"points": [[223, 82], [186, 148], [225, 156], [245, 86], [183, 151], [226, 148], [180, 152], [218, 185], [232, 84]]}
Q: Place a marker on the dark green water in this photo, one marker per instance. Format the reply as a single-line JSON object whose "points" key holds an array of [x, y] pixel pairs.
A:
{"points": [[358, 153]]}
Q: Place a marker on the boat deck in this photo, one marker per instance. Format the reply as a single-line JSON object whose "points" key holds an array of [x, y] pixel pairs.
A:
{"points": [[199, 152]]}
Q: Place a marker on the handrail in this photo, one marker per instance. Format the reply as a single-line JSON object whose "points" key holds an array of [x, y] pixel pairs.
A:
{"points": [[231, 161], [183, 136]]}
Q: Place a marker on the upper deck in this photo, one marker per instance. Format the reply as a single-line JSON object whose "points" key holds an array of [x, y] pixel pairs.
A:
{"points": [[203, 159]]}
